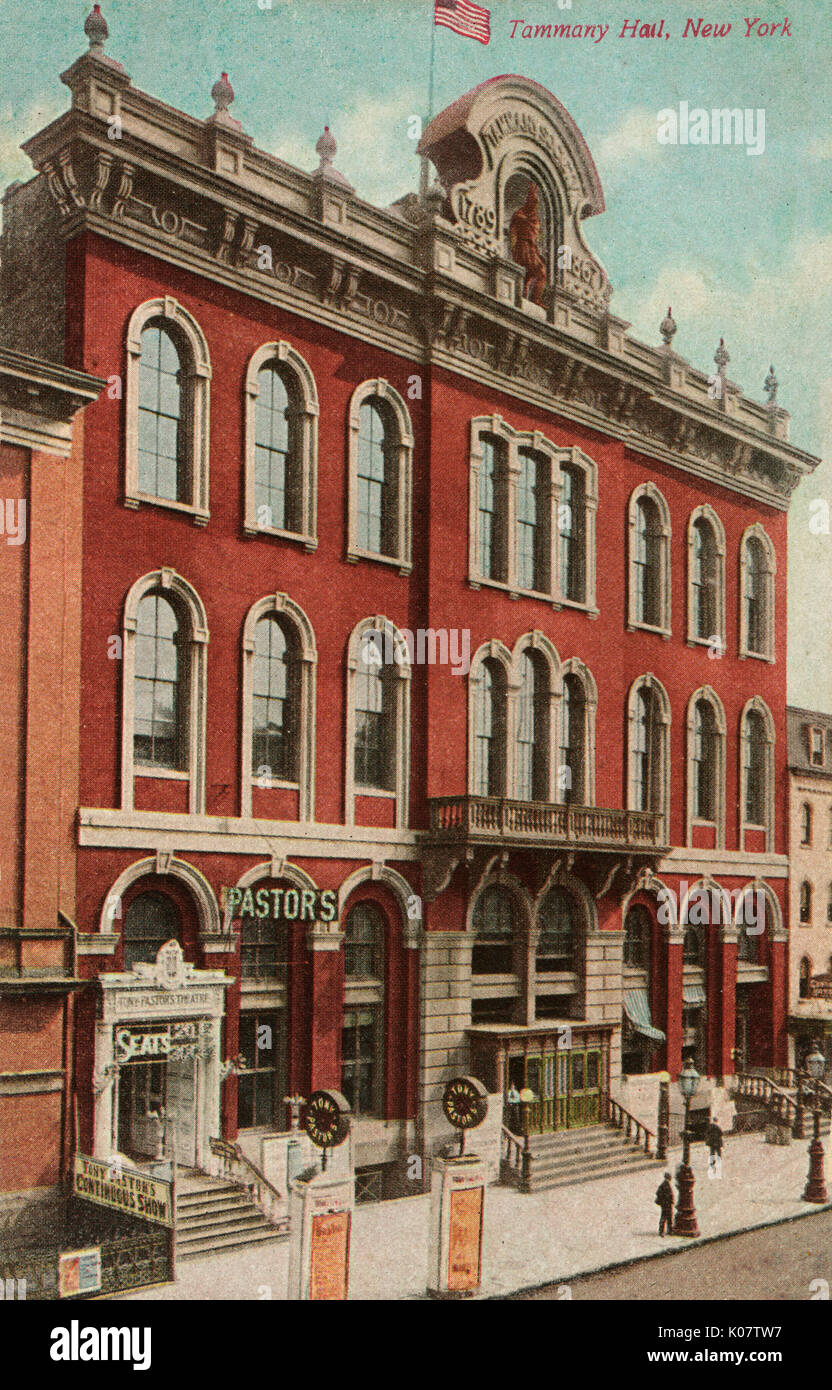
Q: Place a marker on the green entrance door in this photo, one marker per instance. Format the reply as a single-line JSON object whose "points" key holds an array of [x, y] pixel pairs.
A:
{"points": [[584, 1088]]}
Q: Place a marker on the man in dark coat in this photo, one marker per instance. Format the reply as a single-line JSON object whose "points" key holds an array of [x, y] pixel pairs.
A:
{"points": [[713, 1139], [664, 1199]]}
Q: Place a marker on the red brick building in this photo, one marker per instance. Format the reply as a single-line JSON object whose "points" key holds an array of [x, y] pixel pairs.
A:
{"points": [[341, 457]]}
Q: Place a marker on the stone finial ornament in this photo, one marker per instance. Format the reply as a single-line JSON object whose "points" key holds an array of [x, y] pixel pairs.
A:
{"points": [[667, 327], [95, 27], [326, 148], [770, 386], [222, 95], [721, 357]]}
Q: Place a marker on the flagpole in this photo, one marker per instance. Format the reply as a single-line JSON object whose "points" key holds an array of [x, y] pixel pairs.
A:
{"points": [[423, 171]]}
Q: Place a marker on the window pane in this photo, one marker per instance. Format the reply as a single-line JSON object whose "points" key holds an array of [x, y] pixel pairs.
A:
{"points": [[572, 528], [529, 521], [363, 942], [276, 452], [377, 499], [374, 716], [158, 733], [275, 703], [160, 435], [151, 920], [648, 554], [557, 936]]}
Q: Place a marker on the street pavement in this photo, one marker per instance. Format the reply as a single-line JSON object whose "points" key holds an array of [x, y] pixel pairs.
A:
{"points": [[536, 1239], [791, 1261]]}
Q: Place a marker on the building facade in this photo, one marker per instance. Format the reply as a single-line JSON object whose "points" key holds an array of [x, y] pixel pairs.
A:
{"points": [[810, 884], [41, 471], [432, 663]]}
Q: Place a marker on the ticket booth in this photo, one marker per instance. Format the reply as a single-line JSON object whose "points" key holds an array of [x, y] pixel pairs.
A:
{"points": [[565, 1065], [158, 1076]]}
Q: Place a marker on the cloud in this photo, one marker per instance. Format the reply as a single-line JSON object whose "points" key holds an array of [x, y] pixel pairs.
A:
{"points": [[374, 150], [821, 147], [633, 138], [14, 164]]}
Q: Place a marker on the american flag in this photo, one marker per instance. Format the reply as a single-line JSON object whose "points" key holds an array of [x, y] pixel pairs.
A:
{"points": [[472, 21]]}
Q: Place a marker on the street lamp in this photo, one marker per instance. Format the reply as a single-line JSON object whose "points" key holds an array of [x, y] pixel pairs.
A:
{"points": [[686, 1223], [815, 1190], [526, 1102], [664, 1115]]}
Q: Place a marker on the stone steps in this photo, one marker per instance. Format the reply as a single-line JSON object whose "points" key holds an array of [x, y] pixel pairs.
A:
{"points": [[578, 1156], [215, 1215]]}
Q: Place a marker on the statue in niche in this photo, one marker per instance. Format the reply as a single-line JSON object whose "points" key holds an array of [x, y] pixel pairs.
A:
{"points": [[524, 233]]}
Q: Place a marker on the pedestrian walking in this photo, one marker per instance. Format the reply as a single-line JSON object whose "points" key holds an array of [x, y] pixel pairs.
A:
{"points": [[664, 1200], [713, 1139]]}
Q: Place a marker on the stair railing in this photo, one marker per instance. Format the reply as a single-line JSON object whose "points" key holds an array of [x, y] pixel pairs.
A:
{"points": [[615, 1114], [235, 1167], [784, 1106], [513, 1151]]}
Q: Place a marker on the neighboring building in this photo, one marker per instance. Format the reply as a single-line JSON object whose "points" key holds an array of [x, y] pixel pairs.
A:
{"points": [[338, 450], [41, 470], [810, 892]]}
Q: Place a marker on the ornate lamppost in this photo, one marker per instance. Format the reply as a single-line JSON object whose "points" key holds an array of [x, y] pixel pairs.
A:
{"points": [[815, 1190], [685, 1223], [663, 1134]]}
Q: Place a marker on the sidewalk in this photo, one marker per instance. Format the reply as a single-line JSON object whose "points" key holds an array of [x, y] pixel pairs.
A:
{"points": [[546, 1237]]}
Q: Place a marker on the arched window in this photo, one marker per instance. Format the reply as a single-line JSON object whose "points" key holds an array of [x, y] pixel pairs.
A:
{"points": [[805, 903], [167, 409], [278, 702], [805, 823], [705, 759], [276, 453], [805, 977], [706, 577], [275, 744], [756, 769], [637, 935], [373, 724], [692, 953], [362, 1080], [281, 445], [161, 434], [151, 920], [573, 751], [758, 567], [532, 499], [649, 719], [489, 730], [531, 768], [649, 586], [378, 716], [160, 719], [493, 922], [557, 940], [748, 944], [380, 463], [572, 519]]}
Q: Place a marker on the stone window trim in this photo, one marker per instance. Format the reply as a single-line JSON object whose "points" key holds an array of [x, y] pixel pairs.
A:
{"points": [[709, 695], [534, 440], [510, 661], [307, 656], [759, 706], [283, 355], [196, 407], [403, 557], [758, 532], [707, 513], [652, 683], [193, 613], [650, 492], [108, 931], [400, 751], [403, 892], [774, 929]]}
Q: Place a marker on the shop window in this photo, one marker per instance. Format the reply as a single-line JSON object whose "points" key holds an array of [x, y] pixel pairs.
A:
{"points": [[259, 1088], [151, 920]]}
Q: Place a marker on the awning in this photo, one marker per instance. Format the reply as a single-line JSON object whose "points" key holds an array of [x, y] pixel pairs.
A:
{"points": [[693, 994], [637, 1009]]}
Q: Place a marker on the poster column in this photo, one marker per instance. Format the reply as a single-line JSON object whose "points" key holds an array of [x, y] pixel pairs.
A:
{"points": [[320, 1209], [457, 1202]]}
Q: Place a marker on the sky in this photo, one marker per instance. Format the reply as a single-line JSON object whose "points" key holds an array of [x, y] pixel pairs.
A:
{"points": [[740, 245]]}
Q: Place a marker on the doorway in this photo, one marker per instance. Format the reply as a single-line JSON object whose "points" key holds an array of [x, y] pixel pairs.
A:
{"points": [[566, 1086], [157, 1110]]}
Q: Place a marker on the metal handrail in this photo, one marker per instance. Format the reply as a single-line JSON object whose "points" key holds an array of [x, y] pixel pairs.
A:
{"points": [[261, 1190]]}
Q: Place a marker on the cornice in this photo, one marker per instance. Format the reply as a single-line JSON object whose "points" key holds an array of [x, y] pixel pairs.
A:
{"points": [[415, 288]]}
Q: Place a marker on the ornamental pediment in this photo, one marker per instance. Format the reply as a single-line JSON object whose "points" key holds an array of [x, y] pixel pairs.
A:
{"points": [[519, 180]]}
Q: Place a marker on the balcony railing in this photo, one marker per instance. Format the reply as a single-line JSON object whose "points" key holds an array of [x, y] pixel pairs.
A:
{"points": [[495, 818]]}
